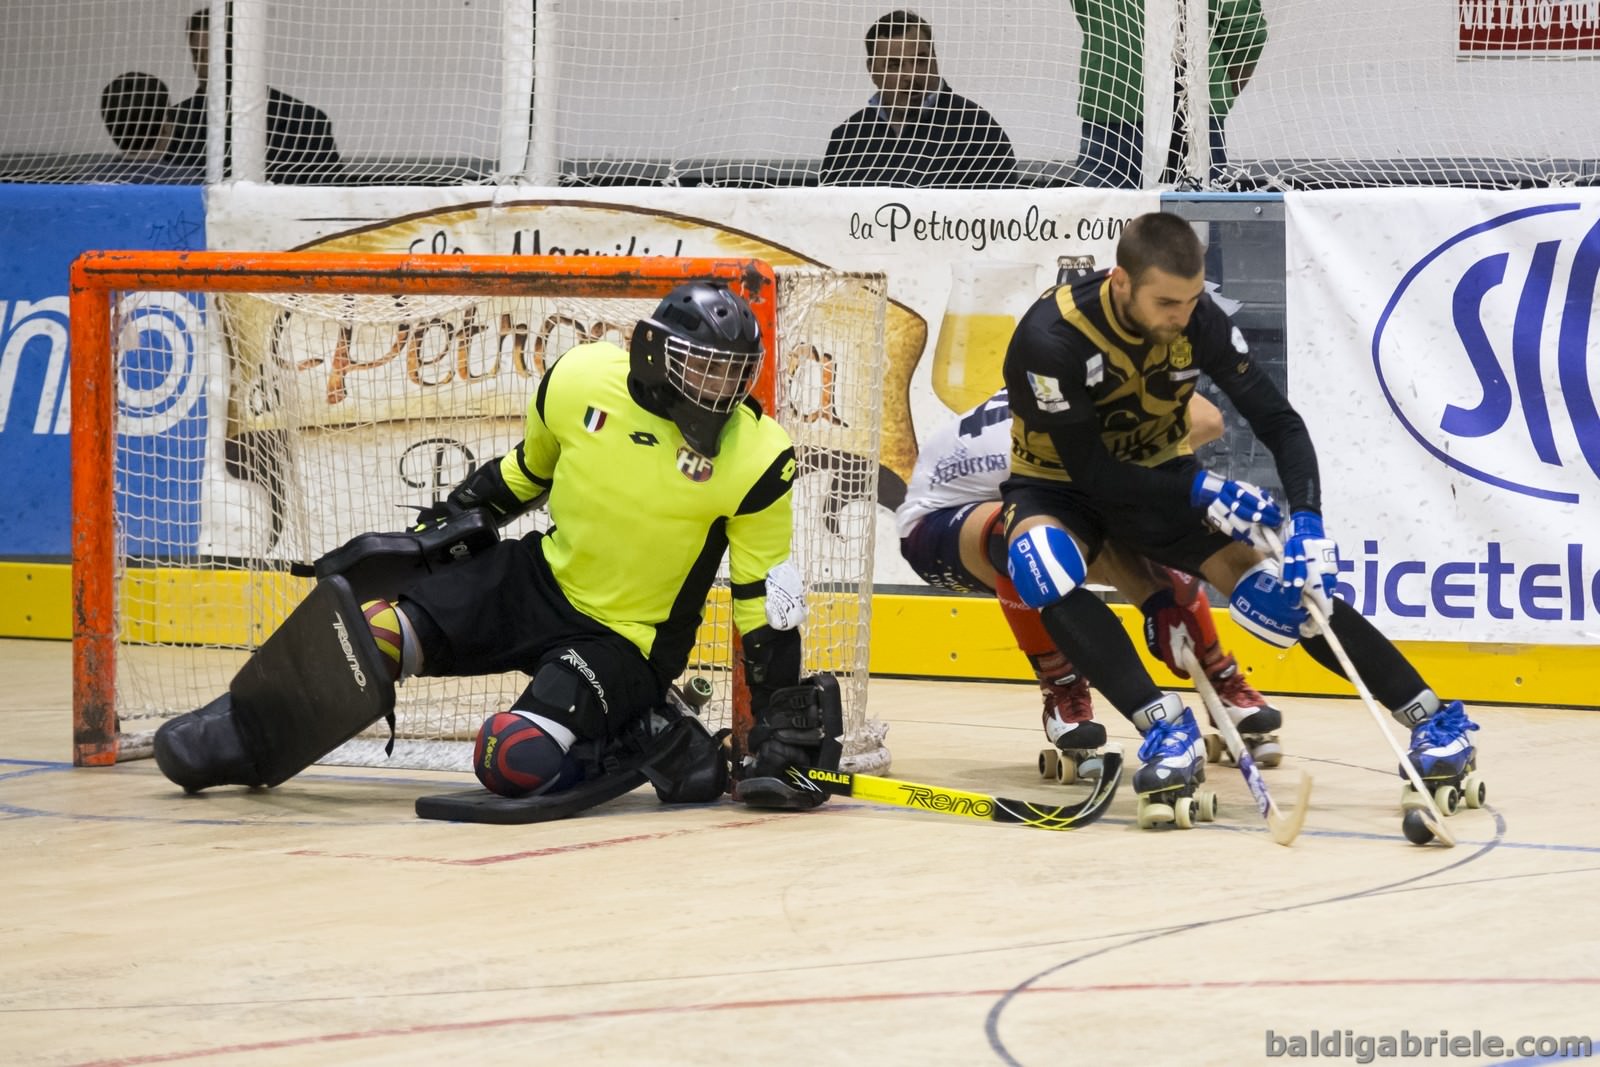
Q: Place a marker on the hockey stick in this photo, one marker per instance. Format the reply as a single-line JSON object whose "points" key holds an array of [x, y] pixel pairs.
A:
{"points": [[1431, 815], [963, 804], [1283, 828]]}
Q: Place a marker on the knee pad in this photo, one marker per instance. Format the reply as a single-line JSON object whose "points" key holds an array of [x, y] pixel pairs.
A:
{"points": [[1045, 565], [565, 697], [1270, 610], [517, 756]]}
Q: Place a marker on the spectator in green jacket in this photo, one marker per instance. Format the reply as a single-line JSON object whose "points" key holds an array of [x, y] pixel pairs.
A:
{"points": [[1111, 84]]}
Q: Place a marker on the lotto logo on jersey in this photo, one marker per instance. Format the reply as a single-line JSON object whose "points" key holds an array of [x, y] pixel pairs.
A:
{"points": [[695, 467], [1484, 351]]}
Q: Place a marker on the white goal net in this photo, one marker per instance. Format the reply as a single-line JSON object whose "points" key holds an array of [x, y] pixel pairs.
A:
{"points": [[259, 430]]}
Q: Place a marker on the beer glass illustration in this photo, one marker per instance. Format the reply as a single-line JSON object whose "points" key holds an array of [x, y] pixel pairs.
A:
{"points": [[986, 297]]}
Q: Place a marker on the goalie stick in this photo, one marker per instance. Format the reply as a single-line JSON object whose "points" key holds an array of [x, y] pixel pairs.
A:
{"points": [[1283, 828], [1431, 815], [962, 804]]}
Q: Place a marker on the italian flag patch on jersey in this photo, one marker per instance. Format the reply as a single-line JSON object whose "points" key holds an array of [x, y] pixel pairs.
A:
{"points": [[593, 419]]}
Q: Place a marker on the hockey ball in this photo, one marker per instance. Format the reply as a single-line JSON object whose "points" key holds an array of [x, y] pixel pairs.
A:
{"points": [[1415, 825]]}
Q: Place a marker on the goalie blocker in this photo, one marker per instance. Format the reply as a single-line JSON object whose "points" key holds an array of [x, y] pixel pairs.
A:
{"points": [[317, 682]]}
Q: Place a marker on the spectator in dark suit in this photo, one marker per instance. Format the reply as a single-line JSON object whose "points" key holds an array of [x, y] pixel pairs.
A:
{"points": [[300, 145], [915, 131], [137, 111]]}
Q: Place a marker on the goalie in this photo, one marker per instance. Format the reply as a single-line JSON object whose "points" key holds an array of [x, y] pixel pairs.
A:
{"points": [[654, 462]]}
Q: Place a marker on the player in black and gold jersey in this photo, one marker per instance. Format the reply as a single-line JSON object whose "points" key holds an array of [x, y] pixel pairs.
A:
{"points": [[654, 461], [1099, 374]]}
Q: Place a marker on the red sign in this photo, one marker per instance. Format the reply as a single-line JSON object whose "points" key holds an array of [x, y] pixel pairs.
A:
{"points": [[1528, 27]]}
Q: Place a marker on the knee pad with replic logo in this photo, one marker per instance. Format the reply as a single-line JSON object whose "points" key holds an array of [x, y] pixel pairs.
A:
{"points": [[1045, 565], [1270, 610]]}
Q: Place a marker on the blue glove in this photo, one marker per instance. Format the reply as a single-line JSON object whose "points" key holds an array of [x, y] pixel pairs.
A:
{"points": [[1311, 560], [1235, 508]]}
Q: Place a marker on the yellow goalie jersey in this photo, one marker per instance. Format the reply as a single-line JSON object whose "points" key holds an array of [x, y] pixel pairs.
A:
{"points": [[641, 520]]}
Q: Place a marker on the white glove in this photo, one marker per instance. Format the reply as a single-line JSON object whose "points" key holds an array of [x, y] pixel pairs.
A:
{"points": [[1235, 508], [1311, 561], [786, 597]]}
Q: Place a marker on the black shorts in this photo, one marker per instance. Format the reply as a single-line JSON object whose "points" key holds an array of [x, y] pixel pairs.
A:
{"points": [[502, 610], [933, 548], [1177, 537]]}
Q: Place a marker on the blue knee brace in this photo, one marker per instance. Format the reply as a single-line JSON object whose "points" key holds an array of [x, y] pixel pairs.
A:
{"points": [[1270, 610], [1045, 565]]}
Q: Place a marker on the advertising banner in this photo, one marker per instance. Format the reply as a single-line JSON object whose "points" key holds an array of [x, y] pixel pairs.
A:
{"points": [[1443, 350], [961, 267], [43, 228]]}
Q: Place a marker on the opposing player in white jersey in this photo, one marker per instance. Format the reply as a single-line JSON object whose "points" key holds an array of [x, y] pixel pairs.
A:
{"points": [[952, 535]]}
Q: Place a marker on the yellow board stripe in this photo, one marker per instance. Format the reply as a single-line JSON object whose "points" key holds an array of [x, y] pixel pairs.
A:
{"points": [[914, 635]]}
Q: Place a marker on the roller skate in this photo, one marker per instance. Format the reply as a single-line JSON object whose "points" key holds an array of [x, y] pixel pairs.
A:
{"points": [[1168, 784], [1447, 761], [1255, 719], [1068, 722]]}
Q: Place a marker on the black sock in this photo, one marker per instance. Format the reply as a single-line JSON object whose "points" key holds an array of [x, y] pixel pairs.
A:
{"points": [[1090, 634]]}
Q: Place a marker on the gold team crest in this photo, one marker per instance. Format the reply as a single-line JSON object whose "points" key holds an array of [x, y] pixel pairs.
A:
{"points": [[1180, 353], [695, 467]]}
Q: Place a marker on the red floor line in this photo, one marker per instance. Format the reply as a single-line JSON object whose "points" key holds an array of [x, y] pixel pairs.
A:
{"points": [[791, 1002]]}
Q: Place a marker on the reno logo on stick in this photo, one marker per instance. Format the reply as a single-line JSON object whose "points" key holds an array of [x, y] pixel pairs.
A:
{"points": [[1486, 352]]}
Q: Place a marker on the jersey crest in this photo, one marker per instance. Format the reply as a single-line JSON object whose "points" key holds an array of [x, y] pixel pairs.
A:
{"points": [[593, 419], [695, 467]]}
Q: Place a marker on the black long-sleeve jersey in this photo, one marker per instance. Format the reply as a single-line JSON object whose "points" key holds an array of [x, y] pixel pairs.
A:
{"points": [[1100, 407]]}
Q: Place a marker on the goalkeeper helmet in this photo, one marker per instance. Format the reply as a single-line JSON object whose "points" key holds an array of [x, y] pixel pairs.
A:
{"points": [[697, 357]]}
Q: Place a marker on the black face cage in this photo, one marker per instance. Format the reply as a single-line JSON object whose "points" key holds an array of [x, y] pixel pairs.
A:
{"points": [[713, 379]]}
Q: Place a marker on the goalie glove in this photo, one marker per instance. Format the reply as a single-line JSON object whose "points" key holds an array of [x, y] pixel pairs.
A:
{"points": [[484, 488], [1311, 560], [1235, 508]]}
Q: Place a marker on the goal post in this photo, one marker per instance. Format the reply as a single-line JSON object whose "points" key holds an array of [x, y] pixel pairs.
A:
{"points": [[237, 414]]}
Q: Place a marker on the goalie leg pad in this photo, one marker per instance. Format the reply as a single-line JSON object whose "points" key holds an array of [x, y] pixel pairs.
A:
{"points": [[202, 748], [380, 565], [317, 682]]}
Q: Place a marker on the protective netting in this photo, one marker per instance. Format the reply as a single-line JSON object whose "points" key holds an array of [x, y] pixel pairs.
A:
{"points": [[1213, 93], [259, 431]]}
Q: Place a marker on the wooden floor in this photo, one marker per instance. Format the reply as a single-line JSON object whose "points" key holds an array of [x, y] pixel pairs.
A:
{"points": [[321, 923]]}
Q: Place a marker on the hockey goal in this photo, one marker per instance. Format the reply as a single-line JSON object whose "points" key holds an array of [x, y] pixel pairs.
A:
{"points": [[237, 414]]}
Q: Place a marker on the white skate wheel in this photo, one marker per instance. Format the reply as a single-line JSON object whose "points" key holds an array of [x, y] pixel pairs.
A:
{"points": [[1447, 797], [1153, 813], [1474, 790], [1206, 805], [1047, 763], [1183, 812], [1066, 769], [1267, 754]]}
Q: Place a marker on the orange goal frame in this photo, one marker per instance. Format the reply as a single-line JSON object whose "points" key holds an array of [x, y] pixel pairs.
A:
{"points": [[97, 276]]}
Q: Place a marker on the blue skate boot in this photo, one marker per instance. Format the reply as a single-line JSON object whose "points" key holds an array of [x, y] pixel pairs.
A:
{"points": [[1174, 758], [1447, 761]]}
